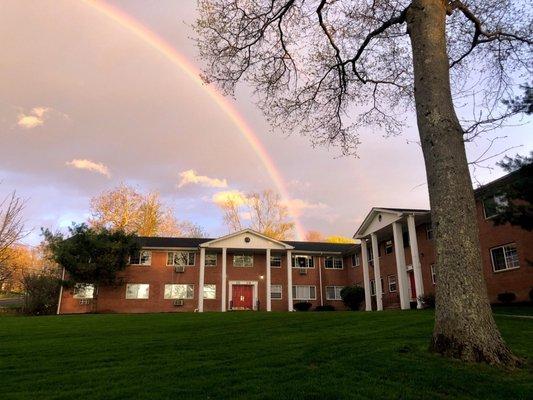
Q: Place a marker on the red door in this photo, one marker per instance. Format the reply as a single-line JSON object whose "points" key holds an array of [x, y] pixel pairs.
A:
{"points": [[242, 297], [412, 284]]}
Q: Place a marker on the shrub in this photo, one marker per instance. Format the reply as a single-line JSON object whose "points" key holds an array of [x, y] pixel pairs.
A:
{"points": [[326, 307], [42, 293], [353, 296], [428, 300], [302, 306], [507, 297]]}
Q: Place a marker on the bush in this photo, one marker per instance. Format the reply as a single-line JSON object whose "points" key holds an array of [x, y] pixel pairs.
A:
{"points": [[428, 300], [353, 297], [326, 307], [302, 306], [42, 294], [507, 297]]}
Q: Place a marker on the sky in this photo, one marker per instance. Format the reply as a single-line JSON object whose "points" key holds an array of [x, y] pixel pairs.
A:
{"points": [[86, 104]]}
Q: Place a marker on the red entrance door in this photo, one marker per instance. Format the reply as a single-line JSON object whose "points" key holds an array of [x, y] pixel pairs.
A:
{"points": [[412, 284], [242, 297]]}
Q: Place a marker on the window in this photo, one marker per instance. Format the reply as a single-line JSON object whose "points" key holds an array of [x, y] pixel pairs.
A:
{"points": [[137, 290], [210, 291], [275, 261], [355, 260], [433, 276], [405, 236], [142, 257], [369, 253], [276, 292], [504, 257], [429, 232], [181, 291], [243, 260], [83, 291], [333, 292], [302, 262], [388, 247], [333, 262], [181, 258], [210, 260], [372, 287], [392, 283], [303, 292], [494, 205]]}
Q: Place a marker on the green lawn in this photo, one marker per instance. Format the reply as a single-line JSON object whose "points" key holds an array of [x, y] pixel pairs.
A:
{"points": [[336, 355]]}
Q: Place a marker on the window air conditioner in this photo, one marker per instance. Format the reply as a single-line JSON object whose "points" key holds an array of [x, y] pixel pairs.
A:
{"points": [[179, 268], [178, 302], [303, 271]]}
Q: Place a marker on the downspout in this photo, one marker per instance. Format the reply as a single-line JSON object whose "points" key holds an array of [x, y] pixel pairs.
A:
{"points": [[320, 279], [60, 291]]}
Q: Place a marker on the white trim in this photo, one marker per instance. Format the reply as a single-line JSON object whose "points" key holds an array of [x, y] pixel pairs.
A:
{"points": [[60, 292], [503, 246], [268, 281], [249, 231], [224, 301]]}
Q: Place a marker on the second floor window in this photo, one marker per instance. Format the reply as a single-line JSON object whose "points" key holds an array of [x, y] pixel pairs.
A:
{"points": [[210, 260], [181, 258], [494, 205], [302, 262], [355, 260], [142, 257], [333, 262], [275, 261], [243, 260]]}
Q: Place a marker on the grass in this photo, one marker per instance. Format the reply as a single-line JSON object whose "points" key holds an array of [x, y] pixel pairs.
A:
{"points": [[338, 355]]}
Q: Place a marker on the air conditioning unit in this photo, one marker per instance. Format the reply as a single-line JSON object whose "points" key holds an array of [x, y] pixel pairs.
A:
{"points": [[179, 302], [303, 271], [179, 268], [85, 302]]}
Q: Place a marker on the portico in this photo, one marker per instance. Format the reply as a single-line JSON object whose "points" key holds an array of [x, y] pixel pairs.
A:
{"points": [[399, 227], [247, 242]]}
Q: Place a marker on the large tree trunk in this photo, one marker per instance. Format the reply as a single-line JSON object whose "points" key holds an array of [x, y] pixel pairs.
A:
{"points": [[464, 325]]}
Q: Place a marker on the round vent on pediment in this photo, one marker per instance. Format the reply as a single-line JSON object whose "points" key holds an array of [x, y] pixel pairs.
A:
{"points": [[247, 239]]}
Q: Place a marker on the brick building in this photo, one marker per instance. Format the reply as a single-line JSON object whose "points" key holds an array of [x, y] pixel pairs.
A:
{"points": [[395, 258]]}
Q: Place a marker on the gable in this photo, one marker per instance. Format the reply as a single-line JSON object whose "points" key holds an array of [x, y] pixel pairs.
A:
{"points": [[377, 219], [246, 239]]}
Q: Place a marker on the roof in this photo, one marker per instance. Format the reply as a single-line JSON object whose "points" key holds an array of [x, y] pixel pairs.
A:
{"points": [[182, 242], [397, 211], [490, 187]]}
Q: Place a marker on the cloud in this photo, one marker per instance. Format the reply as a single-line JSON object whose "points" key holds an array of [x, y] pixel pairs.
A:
{"points": [[34, 118], [234, 196], [190, 177], [298, 206], [89, 166]]}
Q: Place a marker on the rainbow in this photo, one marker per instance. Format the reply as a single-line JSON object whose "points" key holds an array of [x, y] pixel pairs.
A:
{"points": [[159, 44]]}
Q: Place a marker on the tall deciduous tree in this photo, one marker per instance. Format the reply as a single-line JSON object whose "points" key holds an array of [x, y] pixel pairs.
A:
{"points": [[126, 209], [262, 211], [326, 68], [11, 231]]}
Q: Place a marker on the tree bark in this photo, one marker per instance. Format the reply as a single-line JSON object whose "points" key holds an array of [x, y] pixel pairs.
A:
{"points": [[464, 324]]}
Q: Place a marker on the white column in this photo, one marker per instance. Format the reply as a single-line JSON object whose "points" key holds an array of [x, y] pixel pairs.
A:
{"points": [[223, 283], [401, 271], [289, 280], [377, 272], [366, 276], [201, 281], [268, 299], [417, 269]]}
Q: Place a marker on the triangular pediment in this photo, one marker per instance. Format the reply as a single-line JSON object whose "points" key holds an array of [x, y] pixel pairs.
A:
{"points": [[247, 239]]}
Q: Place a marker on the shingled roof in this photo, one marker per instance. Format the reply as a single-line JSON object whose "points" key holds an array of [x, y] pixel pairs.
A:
{"points": [[189, 243]]}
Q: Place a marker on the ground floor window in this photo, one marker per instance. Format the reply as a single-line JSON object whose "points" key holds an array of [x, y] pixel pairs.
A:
{"points": [[179, 291], [388, 247], [392, 283], [137, 290], [504, 257], [276, 292], [304, 292], [333, 292], [210, 291], [83, 291], [372, 287], [433, 276]]}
